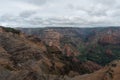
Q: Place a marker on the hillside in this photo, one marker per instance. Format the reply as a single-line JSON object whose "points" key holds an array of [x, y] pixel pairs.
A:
{"points": [[109, 72], [100, 45], [70, 54], [24, 57]]}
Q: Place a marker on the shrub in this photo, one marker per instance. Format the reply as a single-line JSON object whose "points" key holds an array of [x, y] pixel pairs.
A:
{"points": [[8, 29]]}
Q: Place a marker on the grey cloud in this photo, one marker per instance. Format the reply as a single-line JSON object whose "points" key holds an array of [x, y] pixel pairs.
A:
{"points": [[36, 2], [105, 2], [27, 14], [63, 13], [93, 11]]}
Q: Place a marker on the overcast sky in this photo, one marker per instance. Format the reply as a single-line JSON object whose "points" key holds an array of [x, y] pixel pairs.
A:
{"points": [[62, 13]]}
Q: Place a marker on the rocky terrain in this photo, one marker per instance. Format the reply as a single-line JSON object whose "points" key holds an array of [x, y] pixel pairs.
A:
{"points": [[109, 72], [28, 58], [59, 54], [100, 45]]}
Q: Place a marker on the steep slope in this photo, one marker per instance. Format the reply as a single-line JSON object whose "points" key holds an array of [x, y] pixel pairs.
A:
{"points": [[100, 45], [25, 57], [75, 54], [109, 72]]}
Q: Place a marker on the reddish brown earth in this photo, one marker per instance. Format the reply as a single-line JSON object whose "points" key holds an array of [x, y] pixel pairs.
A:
{"points": [[109, 72], [25, 57]]}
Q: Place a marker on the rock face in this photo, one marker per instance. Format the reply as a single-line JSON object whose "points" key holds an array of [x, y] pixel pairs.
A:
{"points": [[109, 72], [110, 37], [25, 57], [51, 37], [100, 45], [69, 50]]}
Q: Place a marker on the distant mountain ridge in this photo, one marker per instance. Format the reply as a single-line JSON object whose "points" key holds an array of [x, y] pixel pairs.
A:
{"points": [[102, 42]]}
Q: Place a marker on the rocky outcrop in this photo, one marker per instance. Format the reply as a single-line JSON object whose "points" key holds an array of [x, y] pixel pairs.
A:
{"points": [[109, 72], [110, 37], [51, 37]]}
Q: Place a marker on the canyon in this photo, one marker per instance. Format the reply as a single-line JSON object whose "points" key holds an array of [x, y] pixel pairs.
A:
{"points": [[59, 53]]}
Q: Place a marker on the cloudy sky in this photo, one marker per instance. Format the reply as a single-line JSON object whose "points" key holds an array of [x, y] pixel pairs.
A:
{"points": [[62, 13]]}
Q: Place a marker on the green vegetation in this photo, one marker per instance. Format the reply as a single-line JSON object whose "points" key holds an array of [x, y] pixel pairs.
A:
{"points": [[99, 54], [8, 29]]}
